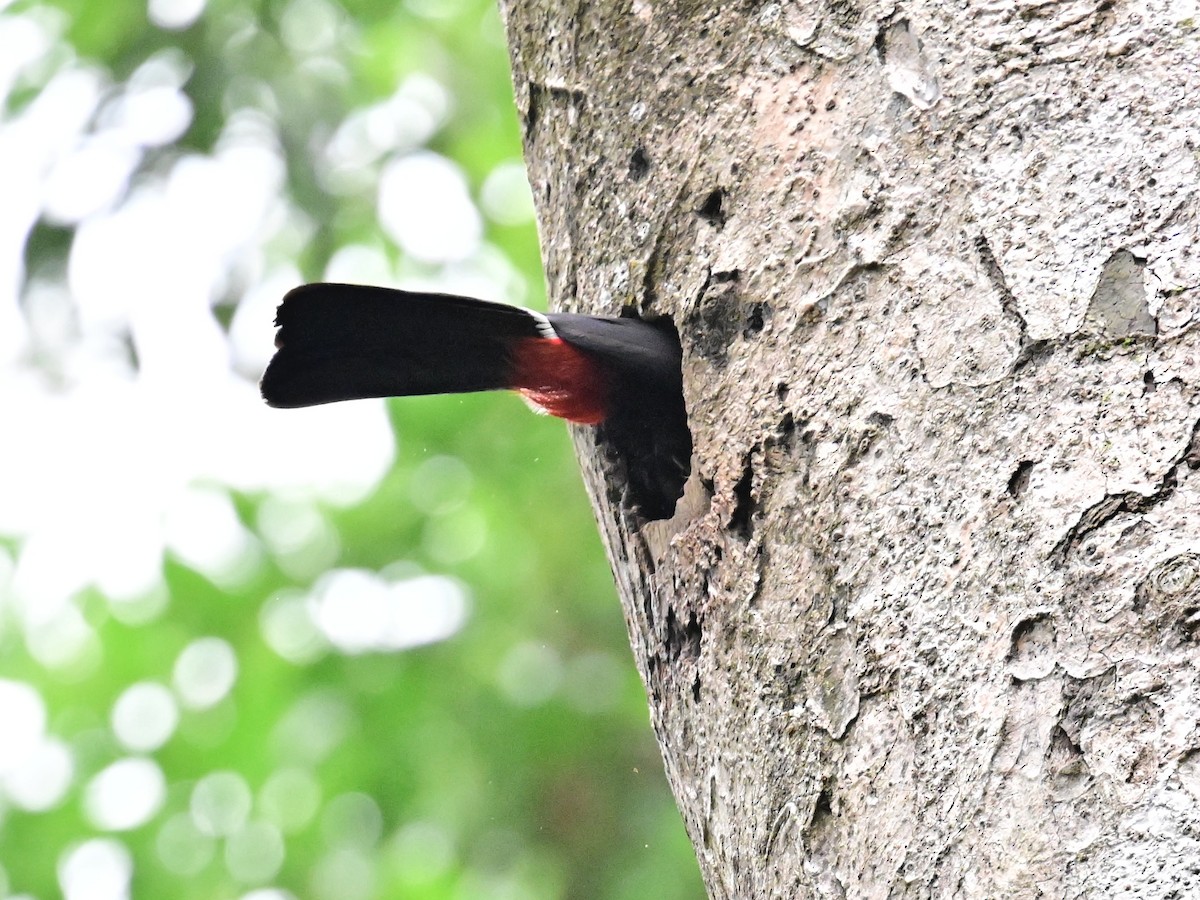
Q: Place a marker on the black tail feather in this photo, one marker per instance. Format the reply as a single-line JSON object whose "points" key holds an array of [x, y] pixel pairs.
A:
{"points": [[347, 342]]}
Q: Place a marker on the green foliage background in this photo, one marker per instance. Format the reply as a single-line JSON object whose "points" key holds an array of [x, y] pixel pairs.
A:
{"points": [[432, 781]]}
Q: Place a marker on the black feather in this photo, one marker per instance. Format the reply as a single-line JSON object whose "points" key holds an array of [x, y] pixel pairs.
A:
{"points": [[347, 342], [647, 427]]}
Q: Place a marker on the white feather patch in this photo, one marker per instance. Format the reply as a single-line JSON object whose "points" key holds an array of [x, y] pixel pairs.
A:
{"points": [[544, 328]]}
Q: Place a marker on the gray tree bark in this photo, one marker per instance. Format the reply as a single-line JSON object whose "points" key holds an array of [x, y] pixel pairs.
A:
{"points": [[927, 623]]}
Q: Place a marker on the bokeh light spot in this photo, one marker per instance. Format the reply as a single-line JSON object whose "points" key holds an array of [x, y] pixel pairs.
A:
{"points": [[298, 535], [399, 124], [182, 848], [99, 869], [343, 873], [421, 853], [203, 530], [23, 713], [530, 673], [89, 179], [359, 264], [268, 894], [220, 803], [290, 798], [457, 537], [254, 854], [64, 641], [310, 26], [593, 682], [205, 672], [441, 484], [144, 716], [424, 206], [139, 608], [358, 611], [39, 782], [505, 196], [353, 818], [289, 630], [126, 794], [175, 15], [316, 724], [152, 110]]}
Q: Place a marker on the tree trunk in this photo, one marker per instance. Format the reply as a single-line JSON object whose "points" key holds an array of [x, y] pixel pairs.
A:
{"points": [[927, 622]]}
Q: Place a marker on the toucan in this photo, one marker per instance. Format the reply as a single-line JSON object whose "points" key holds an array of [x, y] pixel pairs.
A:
{"points": [[621, 375]]}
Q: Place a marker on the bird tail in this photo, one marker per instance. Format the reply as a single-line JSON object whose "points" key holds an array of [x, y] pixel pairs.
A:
{"points": [[348, 342]]}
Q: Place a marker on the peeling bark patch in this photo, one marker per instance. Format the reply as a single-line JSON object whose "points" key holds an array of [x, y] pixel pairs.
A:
{"points": [[1188, 772], [1031, 650], [1082, 697], [533, 111], [909, 72], [756, 321], [540, 93], [1119, 307], [713, 799], [833, 695], [712, 209], [822, 812], [1100, 513], [639, 164], [1008, 302], [1192, 457], [1032, 351], [683, 639], [1170, 595], [786, 429], [785, 823], [1070, 776], [1027, 34], [741, 521], [1092, 518], [1019, 480], [1144, 767], [1177, 576], [843, 13], [877, 424], [965, 335], [716, 322]]}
